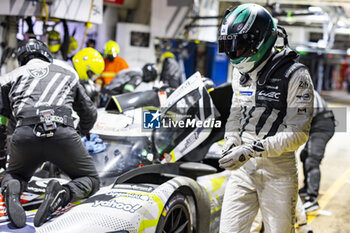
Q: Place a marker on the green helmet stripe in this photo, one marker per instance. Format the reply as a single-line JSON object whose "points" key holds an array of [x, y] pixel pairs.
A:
{"points": [[236, 61], [242, 17], [250, 20], [262, 49], [241, 8], [237, 10]]}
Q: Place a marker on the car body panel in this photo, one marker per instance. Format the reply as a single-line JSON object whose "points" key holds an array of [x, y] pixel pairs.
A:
{"points": [[137, 206]]}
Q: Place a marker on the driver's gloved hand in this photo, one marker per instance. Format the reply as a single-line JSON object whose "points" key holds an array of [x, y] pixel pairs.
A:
{"points": [[239, 155], [228, 145]]}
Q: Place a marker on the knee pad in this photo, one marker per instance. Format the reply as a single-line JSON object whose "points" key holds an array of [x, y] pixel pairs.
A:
{"points": [[316, 147], [311, 163], [317, 153]]}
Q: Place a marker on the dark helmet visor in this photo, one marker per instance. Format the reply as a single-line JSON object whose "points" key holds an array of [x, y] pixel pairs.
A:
{"points": [[54, 42], [234, 46]]}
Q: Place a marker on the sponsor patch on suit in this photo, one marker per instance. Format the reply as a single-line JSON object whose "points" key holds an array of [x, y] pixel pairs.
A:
{"points": [[246, 93], [304, 98]]}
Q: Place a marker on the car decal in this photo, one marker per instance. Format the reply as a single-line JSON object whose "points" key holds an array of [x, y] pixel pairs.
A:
{"points": [[217, 183], [128, 195], [147, 223], [215, 186], [136, 187], [117, 205]]}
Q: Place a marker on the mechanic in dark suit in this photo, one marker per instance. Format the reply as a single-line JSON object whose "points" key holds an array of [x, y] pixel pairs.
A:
{"points": [[321, 131], [40, 95]]}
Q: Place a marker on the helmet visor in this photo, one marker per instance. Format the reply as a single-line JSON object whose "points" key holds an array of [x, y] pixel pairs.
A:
{"points": [[92, 75], [234, 46], [54, 42]]}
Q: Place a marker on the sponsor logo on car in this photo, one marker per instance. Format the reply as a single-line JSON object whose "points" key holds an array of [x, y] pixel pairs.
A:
{"points": [[168, 157], [138, 187], [189, 141], [36, 190], [26, 197], [117, 205], [129, 195]]}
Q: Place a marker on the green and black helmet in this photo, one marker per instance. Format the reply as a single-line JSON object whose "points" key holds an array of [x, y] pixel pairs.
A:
{"points": [[247, 35]]}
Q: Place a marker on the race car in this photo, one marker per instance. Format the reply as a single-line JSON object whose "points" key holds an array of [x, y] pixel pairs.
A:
{"points": [[156, 177]]}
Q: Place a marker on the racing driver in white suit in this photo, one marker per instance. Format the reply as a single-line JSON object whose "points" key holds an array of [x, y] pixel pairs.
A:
{"points": [[270, 118]]}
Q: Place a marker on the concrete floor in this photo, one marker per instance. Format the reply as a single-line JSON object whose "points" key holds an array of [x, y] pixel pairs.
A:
{"points": [[334, 199]]}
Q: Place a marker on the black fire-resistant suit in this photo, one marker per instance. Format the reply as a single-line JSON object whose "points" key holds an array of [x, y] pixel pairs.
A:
{"points": [[41, 96]]}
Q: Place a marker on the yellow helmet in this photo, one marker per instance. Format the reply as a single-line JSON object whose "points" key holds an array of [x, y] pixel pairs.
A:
{"points": [[88, 59], [166, 55], [111, 48], [54, 41], [73, 44]]}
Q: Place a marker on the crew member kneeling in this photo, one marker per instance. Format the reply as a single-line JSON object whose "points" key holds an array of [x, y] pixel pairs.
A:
{"points": [[41, 95]]}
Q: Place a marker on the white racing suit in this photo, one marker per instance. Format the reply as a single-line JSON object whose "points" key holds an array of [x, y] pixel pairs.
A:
{"points": [[301, 220], [267, 109]]}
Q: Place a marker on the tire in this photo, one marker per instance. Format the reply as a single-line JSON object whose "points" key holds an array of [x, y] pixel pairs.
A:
{"points": [[176, 216]]}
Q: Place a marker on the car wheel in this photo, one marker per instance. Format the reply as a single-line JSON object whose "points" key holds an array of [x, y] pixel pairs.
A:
{"points": [[176, 216]]}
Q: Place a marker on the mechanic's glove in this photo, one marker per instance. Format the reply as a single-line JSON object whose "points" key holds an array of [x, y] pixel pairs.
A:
{"points": [[83, 133], [87, 136], [237, 156]]}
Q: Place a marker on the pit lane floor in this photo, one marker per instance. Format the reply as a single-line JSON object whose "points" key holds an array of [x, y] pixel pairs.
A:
{"points": [[334, 198]]}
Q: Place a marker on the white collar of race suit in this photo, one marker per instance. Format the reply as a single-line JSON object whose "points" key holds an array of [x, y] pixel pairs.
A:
{"points": [[253, 75]]}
